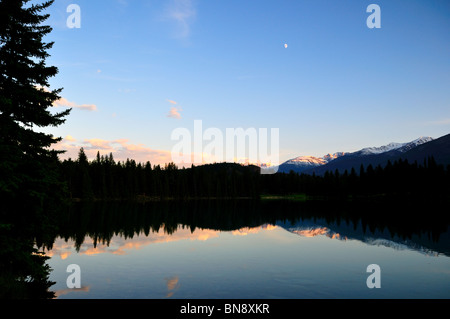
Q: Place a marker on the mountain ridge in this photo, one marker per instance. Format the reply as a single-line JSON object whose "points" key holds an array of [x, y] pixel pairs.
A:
{"points": [[416, 150], [349, 231]]}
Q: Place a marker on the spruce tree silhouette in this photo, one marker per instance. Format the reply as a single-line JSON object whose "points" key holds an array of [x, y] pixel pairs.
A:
{"points": [[28, 174], [31, 190]]}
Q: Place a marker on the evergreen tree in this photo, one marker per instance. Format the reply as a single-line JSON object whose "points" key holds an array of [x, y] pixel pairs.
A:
{"points": [[83, 176], [28, 164], [30, 187]]}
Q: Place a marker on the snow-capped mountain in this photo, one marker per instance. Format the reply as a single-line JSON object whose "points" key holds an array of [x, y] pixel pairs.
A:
{"points": [[330, 157], [301, 163], [348, 231], [307, 160], [314, 161], [401, 147], [309, 164]]}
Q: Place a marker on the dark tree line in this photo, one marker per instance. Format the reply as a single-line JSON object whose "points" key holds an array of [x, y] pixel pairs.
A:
{"points": [[398, 178], [104, 178]]}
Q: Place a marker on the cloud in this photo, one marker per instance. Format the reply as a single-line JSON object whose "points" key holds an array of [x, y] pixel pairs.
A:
{"points": [[98, 144], [66, 103], [175, 113], [183, 13], [69, 138], [121, 149], [175, 110]]}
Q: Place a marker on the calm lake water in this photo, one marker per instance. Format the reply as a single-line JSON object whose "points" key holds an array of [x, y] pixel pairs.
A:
{"points": [[238, 250]]}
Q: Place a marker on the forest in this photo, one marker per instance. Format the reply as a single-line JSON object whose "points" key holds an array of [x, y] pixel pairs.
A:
{"points": [[104, 179]]}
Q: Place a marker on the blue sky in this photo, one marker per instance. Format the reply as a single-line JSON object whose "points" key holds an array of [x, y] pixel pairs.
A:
{"points": [[338, 86]]}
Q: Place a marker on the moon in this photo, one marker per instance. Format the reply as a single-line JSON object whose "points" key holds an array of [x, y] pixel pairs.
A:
{"points": [[285, 45]]}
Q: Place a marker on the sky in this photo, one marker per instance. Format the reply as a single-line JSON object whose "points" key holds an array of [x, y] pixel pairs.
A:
{"points": [[135, 71]]}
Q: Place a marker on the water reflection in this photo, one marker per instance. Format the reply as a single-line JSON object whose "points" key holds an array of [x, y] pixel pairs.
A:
{"points": [[172, 285], [335, 230], [94, 228], [119, 245], [246, 249]]}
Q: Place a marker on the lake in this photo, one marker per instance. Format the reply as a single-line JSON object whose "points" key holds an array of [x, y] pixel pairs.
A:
{"points": [[243, 249]]}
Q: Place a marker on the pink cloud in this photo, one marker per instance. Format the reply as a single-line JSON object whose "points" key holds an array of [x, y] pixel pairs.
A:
{"points": [[174, 113], [121, 149], [66, 103], [98, 144]]}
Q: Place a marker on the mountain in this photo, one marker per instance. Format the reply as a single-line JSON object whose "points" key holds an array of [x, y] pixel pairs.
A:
{"points": [[416, 150], [400, 147], [438, 148], [348, 231], [302, 163]]}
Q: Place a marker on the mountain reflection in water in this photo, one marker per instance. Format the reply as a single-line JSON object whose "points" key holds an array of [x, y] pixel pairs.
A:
{"points": [[113, 225], [251, 249]]}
